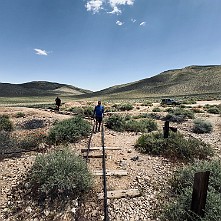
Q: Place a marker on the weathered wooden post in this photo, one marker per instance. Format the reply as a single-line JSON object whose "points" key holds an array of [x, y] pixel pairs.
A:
{"points": [[166, 129], [200, 187]]}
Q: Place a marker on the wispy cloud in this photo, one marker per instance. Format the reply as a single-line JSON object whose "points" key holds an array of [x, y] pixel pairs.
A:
{"points": [[119, 23], [96, 5], [143, 23], [40, 52], [133, 20]]}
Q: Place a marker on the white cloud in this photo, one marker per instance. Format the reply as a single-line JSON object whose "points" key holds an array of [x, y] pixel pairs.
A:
{"points": [[119, 23], [40, 52], [143, 23], [116, 10], [133, 20], [94, 5]]}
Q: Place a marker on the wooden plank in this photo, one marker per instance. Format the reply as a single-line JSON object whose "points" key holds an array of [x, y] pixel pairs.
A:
{"points": [[100, 148], [110, 173], [95, 156], [116, 194], [200, 187]]}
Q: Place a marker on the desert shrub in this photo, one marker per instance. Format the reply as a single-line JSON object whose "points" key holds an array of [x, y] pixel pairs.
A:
{"points": [[182, 184], [197, 110], [201, 126], [5, 123], [33, 124], [147, 103], [174, 147], [115, 122], [189, 101], [143, 115], [32, 140], [179, 115], [88, 111], [60, 174], [214, 110], [127, 117], [123, 107], [146, 125], [70, 130], [154, 115], [6, 141], [20, 114], [156, 109], [77, 110]]}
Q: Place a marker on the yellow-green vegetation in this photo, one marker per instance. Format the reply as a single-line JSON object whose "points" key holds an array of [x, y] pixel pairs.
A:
{"points": [[176, 147], [124, 123], [5, 123], [61, 174], [202, 126], [70, 130], [179, 115], [182, 184]]}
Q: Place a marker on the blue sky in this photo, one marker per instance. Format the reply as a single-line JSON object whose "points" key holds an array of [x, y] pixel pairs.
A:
{"points": [[95, 44]]}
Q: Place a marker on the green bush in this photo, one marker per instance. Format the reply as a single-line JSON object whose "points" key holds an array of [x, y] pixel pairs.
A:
{"points": [[197, 110], [179, 115], [156, 109], [182, 184], [201, 126], [5, 123], [123, 107], [77, 110], [88, 111], [60, 174], [20, 114], [214, 110], [70, 130], [116, 122], [174, 147], [189, 101], [6, 141], [31, 140], [142, 115], [147, 103], [146, 125]]}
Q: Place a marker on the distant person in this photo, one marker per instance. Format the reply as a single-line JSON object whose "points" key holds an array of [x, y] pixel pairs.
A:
{"points": [[58, 103], [98, 113]]}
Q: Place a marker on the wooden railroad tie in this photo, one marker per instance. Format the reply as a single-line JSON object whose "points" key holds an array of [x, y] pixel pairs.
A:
{"points": [[110, 173], [100, 148], [116, 194], [95, 156]]}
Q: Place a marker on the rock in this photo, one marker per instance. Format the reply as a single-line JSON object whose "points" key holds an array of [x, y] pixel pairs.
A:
{"points": [[46, 212], [73, 210], [129, 151], [28, 209], [135, 158]]}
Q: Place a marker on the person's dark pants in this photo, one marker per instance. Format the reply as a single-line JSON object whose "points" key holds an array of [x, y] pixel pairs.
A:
{"points": [[98, 123]]}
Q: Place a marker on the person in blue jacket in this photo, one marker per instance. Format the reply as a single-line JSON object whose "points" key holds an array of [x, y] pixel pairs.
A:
{"points": [[98, 113]]}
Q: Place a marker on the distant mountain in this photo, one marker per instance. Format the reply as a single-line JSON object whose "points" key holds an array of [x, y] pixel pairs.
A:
{"points": [[39, 88], [187, 81], [192, 80]]}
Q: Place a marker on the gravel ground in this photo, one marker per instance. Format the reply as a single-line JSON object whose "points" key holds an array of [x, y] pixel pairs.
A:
{"points": [[147, 173]]}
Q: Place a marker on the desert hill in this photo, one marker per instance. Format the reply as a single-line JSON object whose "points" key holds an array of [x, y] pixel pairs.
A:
{"points": [[186, 81], [39, 88], [192, 80]]}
